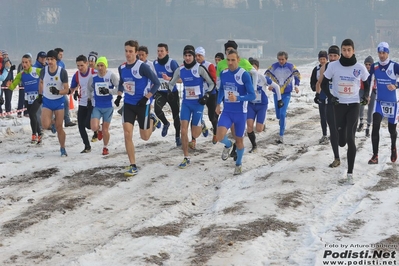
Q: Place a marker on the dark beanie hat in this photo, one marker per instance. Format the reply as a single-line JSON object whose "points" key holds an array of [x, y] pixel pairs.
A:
{"points": [[230, 43], [334, 50], [322, 54], [220, 55], [53, 54], [369, 59], [189, 49]]}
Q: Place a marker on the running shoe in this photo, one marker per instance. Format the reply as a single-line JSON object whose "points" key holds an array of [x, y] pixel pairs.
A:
{"points": [[280, 140], [99, 135], [237, 170], [360, 128], [214, 140], [132, 170], [374, 159], [105, 151], [165, 130], [394, 154], [53, 129], [367, 132], [86, 150], [254, 149], [34, 139], [39, 138], [95, 137], [335, 163], [63, 152], [324, 140], [157, 122], [205, 131], [226, 152], [184, 163]]}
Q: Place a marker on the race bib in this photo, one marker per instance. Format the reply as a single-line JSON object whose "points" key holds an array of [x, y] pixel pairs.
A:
{"points": [[31, 96], [164, 85], [388, 109], [192, 93], [130, 87], [345, 89], [230, 90], [102, 85]]}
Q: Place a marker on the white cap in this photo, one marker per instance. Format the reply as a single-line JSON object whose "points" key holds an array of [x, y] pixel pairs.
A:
{"points": [[383, 47], [200, 50]]}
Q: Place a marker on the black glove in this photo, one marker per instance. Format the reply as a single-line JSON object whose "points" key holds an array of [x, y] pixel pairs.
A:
{"points": [[364, 101], [143, 101], [89, 104], [1, 100], [54, 91], [118, 100], [170, 96], [203, 100], [76, 95], [12, 68], [334, 100], [40, 99], [280, 103], [103, 91], [317, 98]]}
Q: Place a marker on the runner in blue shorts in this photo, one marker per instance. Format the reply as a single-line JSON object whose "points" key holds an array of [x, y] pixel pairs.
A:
{"points": [[53, 86], [235, 91], [104, 84], [194, 97]]}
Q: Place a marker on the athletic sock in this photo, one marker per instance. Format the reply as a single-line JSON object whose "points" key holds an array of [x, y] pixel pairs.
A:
{"points": [[240, 153], [226, 142], [252, 138]]}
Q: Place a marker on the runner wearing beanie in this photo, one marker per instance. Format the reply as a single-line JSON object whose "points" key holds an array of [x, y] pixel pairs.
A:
{"points": [[323, 85], [346, 75], [320, 99], [385, 74]]}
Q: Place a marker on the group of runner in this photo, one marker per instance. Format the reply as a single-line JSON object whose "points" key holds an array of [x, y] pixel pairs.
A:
{"points": [[232, 80]]}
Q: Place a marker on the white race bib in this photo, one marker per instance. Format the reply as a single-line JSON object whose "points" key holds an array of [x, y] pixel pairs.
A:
{"points": [[101, 85], [388, 109], [31, 96], [345, 89], [258, 98], [192, 93], [130, 87], [230, 90], [164, 85]]}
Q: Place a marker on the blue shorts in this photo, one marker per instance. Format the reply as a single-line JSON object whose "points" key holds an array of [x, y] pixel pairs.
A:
{"points": [[389, 110], [54, 105], [105, 113], [257, 111], [194, 110], [239, 120]]}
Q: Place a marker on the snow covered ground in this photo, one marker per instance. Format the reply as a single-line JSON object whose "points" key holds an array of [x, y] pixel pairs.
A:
{"points": [[287, 207]]}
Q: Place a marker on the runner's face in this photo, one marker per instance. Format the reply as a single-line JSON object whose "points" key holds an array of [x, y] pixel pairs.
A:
{"points": [[143, 56], [51, 61], [217, 60], [281, 60], [232, 61], [130, 54], [368, 66], [347, 51], [82, 66], [188, 58], [102, 69], [383, 56], [92, 64], [200, 58], [60, 55], [322, 60], [333, 57], [161, 51], [26, 63]]}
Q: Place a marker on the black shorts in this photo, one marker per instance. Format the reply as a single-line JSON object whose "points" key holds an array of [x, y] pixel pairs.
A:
{"points": [[141, 113]]}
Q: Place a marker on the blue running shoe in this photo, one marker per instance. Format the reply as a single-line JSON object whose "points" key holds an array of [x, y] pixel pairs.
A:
{"points": [[178, 141], [53, 129], [165, 130], [132, 170], [184, 163], [63, 152], [205, 130]]}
